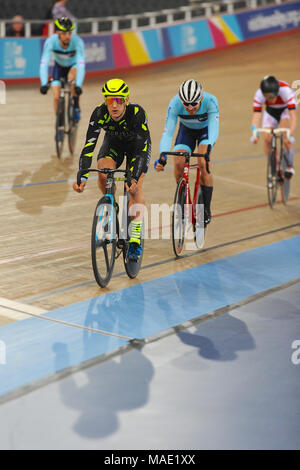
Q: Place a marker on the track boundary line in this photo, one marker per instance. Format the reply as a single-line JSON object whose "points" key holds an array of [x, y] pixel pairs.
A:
{"points": [[65, 323], [162, 262]]}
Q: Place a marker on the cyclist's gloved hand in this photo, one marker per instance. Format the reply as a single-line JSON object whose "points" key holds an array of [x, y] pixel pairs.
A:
{"points": [[254, 137], [78, 90], [44, 89], [161, 160]]}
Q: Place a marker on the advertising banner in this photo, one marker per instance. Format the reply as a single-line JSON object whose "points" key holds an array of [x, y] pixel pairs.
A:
{"points": [[98, 53], [190, 37], [19, 58], [269, 20]]}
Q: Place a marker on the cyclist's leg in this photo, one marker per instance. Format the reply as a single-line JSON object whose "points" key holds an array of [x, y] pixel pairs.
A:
{"points": [[136, 214], [72, 78], [206, 182], [185, 141], [109, 157], [57, 72], [137, 202], [288, 146], [206, 179], [268, 122]]}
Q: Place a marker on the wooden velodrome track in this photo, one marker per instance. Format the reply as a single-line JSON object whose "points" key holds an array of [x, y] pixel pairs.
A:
{"points": [[45, 230]]}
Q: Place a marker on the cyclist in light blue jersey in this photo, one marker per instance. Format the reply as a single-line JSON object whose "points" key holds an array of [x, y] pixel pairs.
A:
{"points": [[198, 115], [69, 56]]}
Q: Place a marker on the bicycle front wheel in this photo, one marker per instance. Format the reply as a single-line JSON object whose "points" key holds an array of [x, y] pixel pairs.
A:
{"points": [[272, 178], [285, 182], [178, 218], [60, 127], [104, 242]]}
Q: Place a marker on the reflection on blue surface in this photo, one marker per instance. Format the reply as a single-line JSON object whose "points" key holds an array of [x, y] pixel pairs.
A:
{"points": [[34, 347]]}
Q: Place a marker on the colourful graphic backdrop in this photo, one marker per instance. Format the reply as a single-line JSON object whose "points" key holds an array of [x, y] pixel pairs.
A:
{"points": [[20, 58]]}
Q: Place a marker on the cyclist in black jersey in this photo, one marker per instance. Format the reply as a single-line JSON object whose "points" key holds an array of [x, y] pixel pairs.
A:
{"points": [[126, 134]]}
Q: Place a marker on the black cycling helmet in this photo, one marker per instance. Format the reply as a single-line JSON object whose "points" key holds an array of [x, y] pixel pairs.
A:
{"points": [[64, 24], [270, 84]]}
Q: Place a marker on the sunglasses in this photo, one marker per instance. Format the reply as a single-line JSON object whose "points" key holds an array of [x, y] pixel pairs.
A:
{"points": [[269, 96], [110, 99], [195, 103]]}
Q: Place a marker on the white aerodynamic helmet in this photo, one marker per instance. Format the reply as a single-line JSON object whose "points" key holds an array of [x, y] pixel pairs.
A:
{"points": [[190, 91]]}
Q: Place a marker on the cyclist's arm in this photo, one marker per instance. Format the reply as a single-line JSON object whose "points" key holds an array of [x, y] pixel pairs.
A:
{"points": [[93, 132], [140, 161], [45, 59], [255, 119], [80, 62], [213, 121], [258, 103], [170, 127]]}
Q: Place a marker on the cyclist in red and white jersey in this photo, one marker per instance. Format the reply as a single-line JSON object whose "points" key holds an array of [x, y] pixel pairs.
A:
{"points": [[280, 111]]}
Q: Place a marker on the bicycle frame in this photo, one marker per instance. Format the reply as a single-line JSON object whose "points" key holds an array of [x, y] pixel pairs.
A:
{"points": [[109, 187], [277, 163], [189, 202], [113, 239]]}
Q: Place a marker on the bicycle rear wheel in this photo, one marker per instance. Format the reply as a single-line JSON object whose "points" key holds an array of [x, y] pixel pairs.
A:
{"points": [[285, 182], [272, 178], [199, 230], [178, 218], [60, 127], [104, 242], [72, 130]]}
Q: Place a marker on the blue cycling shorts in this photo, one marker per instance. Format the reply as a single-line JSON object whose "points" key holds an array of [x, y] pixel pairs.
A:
{"points": [[187, 138], [59, 72]]}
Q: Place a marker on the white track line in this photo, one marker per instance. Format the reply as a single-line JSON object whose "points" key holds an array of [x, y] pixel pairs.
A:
{"points": [[243, 183], [18, 311]]}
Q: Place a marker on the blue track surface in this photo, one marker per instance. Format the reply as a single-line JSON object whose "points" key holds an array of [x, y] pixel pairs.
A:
{"points": [[36, 348]]}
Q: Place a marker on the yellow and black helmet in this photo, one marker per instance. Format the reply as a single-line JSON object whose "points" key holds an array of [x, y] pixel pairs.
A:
{"points": [[64, 24], [115, 87]]}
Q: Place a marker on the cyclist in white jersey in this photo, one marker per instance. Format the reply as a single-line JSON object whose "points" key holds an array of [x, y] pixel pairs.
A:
{"points": [[280, 111], [198, 114], [69, 55]]}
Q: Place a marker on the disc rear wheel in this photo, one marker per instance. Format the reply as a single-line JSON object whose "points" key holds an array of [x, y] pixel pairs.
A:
{"points": [[60, 127], [72, 130], [285, 182]]}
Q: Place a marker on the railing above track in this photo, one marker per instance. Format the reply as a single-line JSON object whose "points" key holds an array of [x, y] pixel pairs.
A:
{"points": [[114, 24]]}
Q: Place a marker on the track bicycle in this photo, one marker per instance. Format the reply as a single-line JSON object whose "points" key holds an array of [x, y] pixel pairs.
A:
{"points": [[276, 165], [65, 123], [187, 211], [110, 238]]}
